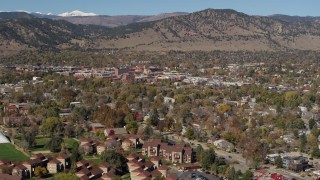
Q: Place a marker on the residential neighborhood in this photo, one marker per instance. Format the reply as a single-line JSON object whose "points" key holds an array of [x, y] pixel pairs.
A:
{"points": [[149, 122]]}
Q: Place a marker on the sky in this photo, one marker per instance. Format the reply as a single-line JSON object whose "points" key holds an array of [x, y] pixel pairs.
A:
{"points": [[152, 7]]}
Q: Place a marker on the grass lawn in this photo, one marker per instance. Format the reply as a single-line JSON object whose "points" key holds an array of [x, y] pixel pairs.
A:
{"points": [[69, 142], [94, 159], [8, 151], [40, 144], [42, 141]]}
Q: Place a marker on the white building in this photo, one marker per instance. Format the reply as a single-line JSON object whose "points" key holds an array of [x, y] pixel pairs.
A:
{"points": [[3, 139]]}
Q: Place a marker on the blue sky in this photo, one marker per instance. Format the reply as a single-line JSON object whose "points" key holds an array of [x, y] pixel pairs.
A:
{"points": [[150, 7]]}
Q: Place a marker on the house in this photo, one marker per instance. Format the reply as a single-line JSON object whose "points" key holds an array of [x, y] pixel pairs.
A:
{"points": [[96, 173], [83, 173], [21, 170], [224, 145], [96, 127], [15, 121], [10, 177], [101, 148], [105, 167], [107, 176], [127, 145], [31, 165], [115, 131], [135, 141], [178, 153], [188, 155], [65, 160], [149, 166], [151, 148], [156, 173], [163, 170], [295, 163], [134, 165], [88, 146], [112, 144], [156, 161], [11, 108], [54, 166]]}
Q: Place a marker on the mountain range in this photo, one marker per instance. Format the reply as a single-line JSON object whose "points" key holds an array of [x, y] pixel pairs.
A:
{"points": [[83, 18], [206, 30]]}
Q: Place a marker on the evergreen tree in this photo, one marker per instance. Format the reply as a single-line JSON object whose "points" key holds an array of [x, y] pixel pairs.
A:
{"points": [[278, 162]]}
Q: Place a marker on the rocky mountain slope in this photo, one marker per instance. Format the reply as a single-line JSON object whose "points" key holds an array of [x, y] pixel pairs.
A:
{"points": [[78, 17], [206, 30], [221, 30]]}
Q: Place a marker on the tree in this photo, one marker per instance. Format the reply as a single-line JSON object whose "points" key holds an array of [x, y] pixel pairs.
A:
{"points": [[189, 133], [248, 175], [231, 173], [28, 137], [199, 151], [154, 118], [315, 152], [303, 142], [148, 131], [117, 160], [55, 143], [40, 171], [312, 123], [65, 176], [292, 99], [278, 162], [222, 108], [132, 127], [51, 126], [207, 158]]}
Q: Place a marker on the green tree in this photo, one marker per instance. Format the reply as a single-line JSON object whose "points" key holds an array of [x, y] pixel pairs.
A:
{"points": [[278, 162], [117, 160], [207, 158], [248, 175], [292, 99], [189, 133], [148, 131], [154, 118], [51, 126], [65, 176], [132, 127], [312, 123], [75, 155], [40, 171], [315, 152], [303, 142], [28, 137], [54, 144]]}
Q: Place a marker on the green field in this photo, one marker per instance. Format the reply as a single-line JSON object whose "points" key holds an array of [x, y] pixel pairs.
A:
{"points": [[8, 151], [41, 143]]}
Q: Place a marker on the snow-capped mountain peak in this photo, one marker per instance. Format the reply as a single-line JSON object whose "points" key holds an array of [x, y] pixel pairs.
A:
{"points": [[77, 13]]}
